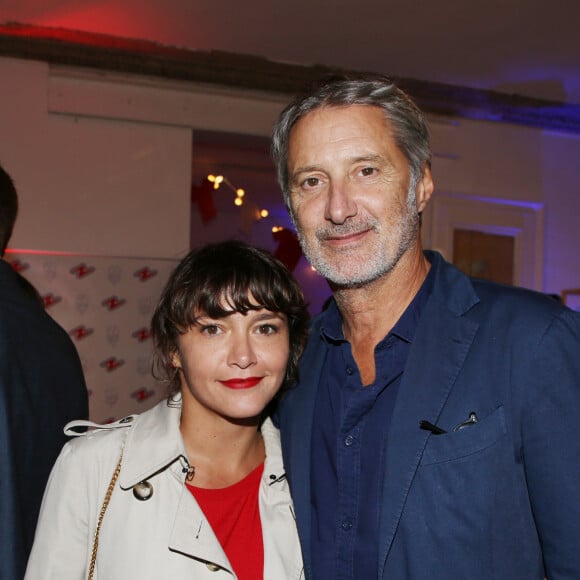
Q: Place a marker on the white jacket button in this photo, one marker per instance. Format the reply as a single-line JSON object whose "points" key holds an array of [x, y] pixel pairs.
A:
{"points": [[212, 567]]}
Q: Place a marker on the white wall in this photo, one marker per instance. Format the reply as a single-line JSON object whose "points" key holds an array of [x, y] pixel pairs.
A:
{"points": [[91, 185], [523, 167]]}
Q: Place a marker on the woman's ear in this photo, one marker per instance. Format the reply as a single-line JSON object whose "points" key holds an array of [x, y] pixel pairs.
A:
{"points": [[175, 360]]}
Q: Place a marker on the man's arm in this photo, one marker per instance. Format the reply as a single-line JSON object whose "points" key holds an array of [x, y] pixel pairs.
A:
{"points": [[551, 445]]}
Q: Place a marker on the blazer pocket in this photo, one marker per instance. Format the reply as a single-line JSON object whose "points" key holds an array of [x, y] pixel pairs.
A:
{"points": [[468, 441]]}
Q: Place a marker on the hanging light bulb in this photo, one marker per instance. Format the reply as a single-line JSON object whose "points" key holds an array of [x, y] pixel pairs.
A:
{"points": [[264, 213], [238, 201], [240, 192], [218, 181]]}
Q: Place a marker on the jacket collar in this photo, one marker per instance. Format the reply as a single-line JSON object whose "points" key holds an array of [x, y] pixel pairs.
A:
{"points": [[154, 443]]}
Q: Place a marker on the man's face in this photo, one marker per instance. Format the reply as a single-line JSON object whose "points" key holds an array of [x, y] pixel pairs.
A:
{"points": [[350, 193]]}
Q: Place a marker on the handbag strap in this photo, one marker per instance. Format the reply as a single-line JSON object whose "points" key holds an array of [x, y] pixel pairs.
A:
{"points": [[102, 515]]}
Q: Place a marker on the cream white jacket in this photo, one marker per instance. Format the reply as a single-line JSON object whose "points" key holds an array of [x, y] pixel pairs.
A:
{"points": [[165, 537]]}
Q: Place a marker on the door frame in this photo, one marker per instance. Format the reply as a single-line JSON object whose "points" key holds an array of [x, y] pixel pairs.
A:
{"points": [[524, 221]]}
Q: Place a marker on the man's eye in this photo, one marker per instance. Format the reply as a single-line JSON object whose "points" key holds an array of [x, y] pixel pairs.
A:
{"points": [[311, 182], [368, 171]]}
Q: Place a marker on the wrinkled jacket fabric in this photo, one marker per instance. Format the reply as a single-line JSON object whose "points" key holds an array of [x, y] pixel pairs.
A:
{"points": [[166, 536]]}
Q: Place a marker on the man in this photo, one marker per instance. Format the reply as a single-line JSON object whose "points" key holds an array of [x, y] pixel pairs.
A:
{"points": [[434, 430], [41, 389]]}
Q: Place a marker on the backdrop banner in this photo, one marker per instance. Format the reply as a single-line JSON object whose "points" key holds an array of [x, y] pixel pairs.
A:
{"points": [[105, 304]]}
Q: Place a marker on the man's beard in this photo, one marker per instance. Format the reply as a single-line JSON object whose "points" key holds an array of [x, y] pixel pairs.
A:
{"points": [[350, 268]]}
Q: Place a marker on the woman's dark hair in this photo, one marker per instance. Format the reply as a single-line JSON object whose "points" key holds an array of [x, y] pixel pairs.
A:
{"points": [[216, 279]]}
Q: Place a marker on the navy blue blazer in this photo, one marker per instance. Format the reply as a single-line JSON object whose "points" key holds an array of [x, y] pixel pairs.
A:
{"points": [[41, 388], [499, 499]]}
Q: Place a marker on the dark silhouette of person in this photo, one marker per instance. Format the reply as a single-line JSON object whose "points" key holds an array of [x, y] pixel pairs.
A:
{"points": [[42, 387]]}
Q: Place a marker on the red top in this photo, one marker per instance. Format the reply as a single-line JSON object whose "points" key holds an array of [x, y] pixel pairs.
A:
{"points": [[234, 515]]}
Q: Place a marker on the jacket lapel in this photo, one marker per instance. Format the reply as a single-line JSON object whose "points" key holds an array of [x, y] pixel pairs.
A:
{"points": [[441, 344], [296, 418], [192, 534]]}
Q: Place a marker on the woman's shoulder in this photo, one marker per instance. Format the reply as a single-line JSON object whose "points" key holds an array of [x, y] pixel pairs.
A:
{"points": [[92, 440], [98, 443], [89, 438]]}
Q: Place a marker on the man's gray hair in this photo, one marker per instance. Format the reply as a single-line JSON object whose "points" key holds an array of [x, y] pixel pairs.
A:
{"points": [[409, 125]]}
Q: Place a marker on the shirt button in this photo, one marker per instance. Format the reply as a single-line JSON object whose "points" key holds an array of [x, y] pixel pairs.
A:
{"points": [[349, 371], [212, 567], [348, 440], [346, 525]]}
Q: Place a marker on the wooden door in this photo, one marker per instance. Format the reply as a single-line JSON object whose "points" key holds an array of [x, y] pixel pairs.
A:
{"points": [[483, 255]]}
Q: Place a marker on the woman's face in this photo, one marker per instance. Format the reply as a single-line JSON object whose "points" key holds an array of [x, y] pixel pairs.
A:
{"points": [[233, 366]]}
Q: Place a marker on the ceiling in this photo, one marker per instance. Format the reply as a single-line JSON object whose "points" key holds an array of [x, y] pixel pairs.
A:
{"points": [[525, 47]]}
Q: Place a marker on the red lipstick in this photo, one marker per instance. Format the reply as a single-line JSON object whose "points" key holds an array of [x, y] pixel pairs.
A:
{"points": [[247, 383]]}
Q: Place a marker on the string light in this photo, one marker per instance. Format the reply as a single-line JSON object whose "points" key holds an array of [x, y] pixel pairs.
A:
{"points": [[218, 180]]}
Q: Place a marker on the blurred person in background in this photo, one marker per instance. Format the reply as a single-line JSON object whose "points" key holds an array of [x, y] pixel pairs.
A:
{"points": [[41, 389]]}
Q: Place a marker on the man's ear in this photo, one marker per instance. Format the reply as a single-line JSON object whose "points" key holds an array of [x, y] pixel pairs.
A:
{"points": [[424, 189]]}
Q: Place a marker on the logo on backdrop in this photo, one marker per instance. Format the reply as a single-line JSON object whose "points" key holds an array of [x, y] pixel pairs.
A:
{"points": [[145, 274], [80, 332], [82, 270], [50, 300], [142, 334], [112, 363], [113, 302], [20, 266], [142, 394]]}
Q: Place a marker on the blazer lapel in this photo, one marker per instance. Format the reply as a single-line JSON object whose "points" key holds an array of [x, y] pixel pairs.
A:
{"points": [[441, 344], [296, 419]]}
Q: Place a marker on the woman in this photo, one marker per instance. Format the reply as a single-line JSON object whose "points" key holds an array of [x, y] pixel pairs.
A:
{"points": [[194, 488]]}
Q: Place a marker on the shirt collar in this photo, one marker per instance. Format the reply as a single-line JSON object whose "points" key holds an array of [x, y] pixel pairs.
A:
{"points": [[406, 325], [331, 319], [331, 323]]}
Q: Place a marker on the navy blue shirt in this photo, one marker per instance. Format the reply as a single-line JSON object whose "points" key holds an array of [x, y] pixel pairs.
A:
{"points": [[349, 443]]}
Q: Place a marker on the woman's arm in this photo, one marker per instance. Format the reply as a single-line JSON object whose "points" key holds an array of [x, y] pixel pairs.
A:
{"points": [[64, 531]]}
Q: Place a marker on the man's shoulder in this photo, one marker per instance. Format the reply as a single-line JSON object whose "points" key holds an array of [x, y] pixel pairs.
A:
{"points": [[494, 296], [524, 317], [22, 312], [517, 299]]}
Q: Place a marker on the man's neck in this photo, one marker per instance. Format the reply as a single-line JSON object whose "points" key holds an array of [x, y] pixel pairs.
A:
{"points": [[370, 312]]}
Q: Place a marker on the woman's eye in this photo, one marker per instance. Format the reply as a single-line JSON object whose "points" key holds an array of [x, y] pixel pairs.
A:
{"points": [[209, 329], [267, 329]]}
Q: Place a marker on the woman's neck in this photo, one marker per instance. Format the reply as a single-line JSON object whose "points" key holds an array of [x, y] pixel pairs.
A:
{"points": [[221, 451]]}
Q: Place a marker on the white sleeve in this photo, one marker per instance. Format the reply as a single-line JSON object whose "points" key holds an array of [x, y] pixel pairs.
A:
{"points": [[65, 529]]}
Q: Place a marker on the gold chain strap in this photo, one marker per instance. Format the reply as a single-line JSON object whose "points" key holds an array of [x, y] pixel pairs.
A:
{"points": [[102, 515]]}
